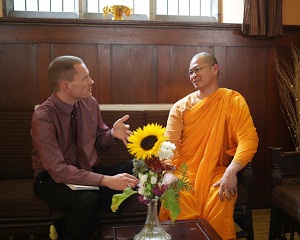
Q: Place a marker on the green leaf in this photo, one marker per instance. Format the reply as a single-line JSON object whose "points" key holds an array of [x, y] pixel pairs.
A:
{"points": [[117, 199], [170, 203]]}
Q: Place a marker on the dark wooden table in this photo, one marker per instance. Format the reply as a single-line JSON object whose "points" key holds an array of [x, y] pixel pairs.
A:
{"points": [[198, 229]]}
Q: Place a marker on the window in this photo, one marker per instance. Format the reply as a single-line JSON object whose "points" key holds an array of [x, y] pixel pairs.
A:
{"points": [[177, 10], [187, 10], [45, 5], [42, 8]]}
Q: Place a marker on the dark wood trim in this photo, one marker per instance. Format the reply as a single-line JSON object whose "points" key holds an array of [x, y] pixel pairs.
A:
{"points": [[126, 32]]}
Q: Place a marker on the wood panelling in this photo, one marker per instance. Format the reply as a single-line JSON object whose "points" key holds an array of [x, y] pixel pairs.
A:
{"points": [[133, 73], [15, 145], [18, 64], [147, 62], [104, 87], [173, 65], [43, 59]]}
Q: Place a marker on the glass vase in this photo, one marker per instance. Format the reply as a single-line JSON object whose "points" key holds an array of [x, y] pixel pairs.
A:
{"points": [[152, 229]]}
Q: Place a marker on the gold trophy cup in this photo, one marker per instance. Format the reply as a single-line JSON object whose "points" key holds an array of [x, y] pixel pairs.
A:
{"points": [[117, 11]]}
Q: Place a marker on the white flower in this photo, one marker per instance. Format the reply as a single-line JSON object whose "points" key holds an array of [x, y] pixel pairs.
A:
{"points": [[143, 179], [169, 178], [141, 190], [153, 180], [166, 150]]}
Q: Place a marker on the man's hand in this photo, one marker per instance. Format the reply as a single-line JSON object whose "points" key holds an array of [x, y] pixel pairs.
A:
{"points": [[121, 130], [228, 182], [119, 181]]}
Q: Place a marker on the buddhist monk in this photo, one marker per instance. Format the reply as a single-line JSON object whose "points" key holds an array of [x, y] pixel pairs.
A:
{"points": [[215, 136]]}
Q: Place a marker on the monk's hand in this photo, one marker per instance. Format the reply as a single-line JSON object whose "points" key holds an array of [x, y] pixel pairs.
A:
{"points": [[121, 130], [228, 182], [228, 187]]}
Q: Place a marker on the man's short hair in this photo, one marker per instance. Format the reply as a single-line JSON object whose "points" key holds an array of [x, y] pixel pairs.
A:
{"points": [[62, 68]]}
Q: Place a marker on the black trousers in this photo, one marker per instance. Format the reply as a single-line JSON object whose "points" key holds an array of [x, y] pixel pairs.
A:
{"points": [[80, 207]]}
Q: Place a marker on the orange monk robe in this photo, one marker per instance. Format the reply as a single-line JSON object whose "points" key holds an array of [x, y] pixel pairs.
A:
{"points": [[209, 131]]}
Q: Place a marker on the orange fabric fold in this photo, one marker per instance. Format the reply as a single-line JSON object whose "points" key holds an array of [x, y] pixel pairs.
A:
{"points": [[211, 131]]}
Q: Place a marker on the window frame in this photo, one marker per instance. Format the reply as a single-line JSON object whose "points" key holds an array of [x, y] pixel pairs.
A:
{"points": [[83, 14]]}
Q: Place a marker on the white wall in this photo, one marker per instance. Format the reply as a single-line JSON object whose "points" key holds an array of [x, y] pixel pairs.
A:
{"points": [[290, 12], [232, 11]]}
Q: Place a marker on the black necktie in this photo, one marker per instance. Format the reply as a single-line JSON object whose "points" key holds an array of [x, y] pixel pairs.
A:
{"points": [[81, 157]]}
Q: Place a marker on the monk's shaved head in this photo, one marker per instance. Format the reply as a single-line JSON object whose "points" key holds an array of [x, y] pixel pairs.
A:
{"points": [[206, 57]]}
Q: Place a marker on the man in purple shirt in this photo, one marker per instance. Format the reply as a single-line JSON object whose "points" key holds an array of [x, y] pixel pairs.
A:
{"points": [[64, 154]]}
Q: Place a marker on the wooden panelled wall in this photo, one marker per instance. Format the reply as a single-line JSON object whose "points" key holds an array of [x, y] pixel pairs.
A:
{"points": [[147, 62]]}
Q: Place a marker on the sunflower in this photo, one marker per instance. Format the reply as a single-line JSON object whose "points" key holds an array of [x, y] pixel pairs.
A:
{"points": [[145, 143]]}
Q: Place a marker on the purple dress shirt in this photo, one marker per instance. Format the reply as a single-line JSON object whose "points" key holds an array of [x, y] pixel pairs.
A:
{"points": [[54, 149]]}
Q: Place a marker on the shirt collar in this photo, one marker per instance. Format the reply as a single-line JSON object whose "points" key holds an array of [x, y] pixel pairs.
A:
{"points": [[61, 105]]}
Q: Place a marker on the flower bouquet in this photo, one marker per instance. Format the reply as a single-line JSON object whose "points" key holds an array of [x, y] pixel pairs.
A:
{"points": [[151, 150]]}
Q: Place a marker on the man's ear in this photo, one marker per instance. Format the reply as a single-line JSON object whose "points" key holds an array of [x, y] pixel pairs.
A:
{"points": [[64, 85]]}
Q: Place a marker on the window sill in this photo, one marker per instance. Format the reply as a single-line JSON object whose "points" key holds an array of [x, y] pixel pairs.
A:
{"points": [[33, 14]]}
